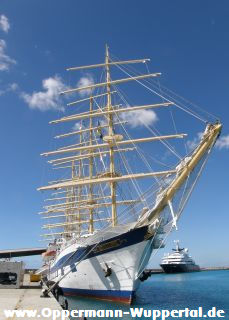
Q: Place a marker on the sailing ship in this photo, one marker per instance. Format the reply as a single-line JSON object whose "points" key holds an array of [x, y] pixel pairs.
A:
{"points": [[178, 261], [113, 208]]}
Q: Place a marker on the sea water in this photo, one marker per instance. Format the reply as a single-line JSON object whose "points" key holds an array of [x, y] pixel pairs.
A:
{"points": [[206, 289]]}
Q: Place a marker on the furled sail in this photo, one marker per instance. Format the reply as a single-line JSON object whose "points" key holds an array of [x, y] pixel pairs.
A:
{"points": [[101, 188]]}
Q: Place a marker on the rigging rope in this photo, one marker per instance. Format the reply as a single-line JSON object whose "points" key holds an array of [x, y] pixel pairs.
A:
{"points": [[132, 69]]}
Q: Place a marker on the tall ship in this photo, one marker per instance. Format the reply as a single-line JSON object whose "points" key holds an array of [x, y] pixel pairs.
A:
{"points": [[120, 185], [178, 261]]}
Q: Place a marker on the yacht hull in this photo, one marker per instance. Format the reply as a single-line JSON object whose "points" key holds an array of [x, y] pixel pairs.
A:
{"points": [[177, 268]]}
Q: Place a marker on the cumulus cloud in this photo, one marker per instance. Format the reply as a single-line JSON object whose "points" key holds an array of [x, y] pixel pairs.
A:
{"points": [[5, 61], [77, 126], [223, 142], [49, 98], [85, 81], [4, 23], [191, 144], [12, 87], [139, 117]]}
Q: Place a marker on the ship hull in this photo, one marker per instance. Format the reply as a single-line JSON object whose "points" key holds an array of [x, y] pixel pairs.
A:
{"points": [[120, 296], [126, 255], [177, 268]]}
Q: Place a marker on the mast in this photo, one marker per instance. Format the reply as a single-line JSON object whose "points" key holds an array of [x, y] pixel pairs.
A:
{"points": [[70, 192], [80, 187], [91, 223], [111, 133], [80, 202], [73, 191]]}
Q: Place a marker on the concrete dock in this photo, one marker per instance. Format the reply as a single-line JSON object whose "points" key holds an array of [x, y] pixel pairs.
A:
{"points": [[28, 298]]}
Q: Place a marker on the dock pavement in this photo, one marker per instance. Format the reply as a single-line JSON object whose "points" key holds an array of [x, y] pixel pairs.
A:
{"points": [[27, 298]]}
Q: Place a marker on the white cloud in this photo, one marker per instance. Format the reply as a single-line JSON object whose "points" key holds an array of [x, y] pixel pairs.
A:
{"points": [[12, 87], [85, 81], [77, 126], [4, 23], [139, 117], [5, 61], [191, 144], [223, 142], [49, 98]]}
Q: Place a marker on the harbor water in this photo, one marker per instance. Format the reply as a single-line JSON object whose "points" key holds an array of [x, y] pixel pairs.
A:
{"points": [[206, 289]]}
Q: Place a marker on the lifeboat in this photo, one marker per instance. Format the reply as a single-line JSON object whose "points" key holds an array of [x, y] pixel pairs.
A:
{"points": [[49, 253]]}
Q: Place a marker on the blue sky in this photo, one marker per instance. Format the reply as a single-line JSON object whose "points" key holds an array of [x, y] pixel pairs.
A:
{"points": [[186, 40]]}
